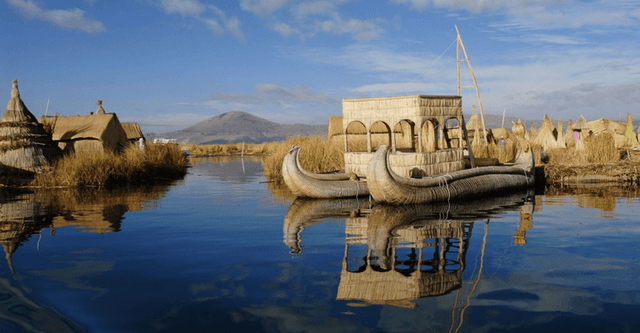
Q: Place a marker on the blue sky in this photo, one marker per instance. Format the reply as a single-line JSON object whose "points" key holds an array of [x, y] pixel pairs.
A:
{"points": [[168, 64]]}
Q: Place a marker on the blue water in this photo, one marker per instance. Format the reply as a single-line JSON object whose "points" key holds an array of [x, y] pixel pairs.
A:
{"points": [[219, 251]]}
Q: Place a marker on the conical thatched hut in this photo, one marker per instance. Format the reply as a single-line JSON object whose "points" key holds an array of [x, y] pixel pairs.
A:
{"points": [[24, 143], [519, 130], [547, 135], [580, 129]]}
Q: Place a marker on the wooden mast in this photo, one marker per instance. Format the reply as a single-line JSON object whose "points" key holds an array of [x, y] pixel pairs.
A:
{"points": [[475, 83]]}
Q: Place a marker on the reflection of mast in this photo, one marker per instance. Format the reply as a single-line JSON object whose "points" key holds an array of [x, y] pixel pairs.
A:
{"points": [[475, 285], [526, 218]]}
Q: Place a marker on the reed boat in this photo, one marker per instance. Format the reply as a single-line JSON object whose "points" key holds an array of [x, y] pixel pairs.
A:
{"points": [[387, 186], [304, 183]]}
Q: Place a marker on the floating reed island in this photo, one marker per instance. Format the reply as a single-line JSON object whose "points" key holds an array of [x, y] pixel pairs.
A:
{"points": [[95, 150], [601, 151]]}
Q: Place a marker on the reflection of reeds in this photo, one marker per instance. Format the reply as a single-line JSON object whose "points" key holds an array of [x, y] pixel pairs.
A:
{"points": [[317, 155], [101, 169]]}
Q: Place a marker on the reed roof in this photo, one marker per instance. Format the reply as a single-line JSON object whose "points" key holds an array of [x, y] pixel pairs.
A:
{"points": [[547, 135], [103, 127], [133, 131], [603, 124], [24, 143], [581, 124]]}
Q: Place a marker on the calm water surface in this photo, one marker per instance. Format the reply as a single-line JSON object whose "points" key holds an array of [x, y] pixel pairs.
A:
{"points": [[220, 251]]}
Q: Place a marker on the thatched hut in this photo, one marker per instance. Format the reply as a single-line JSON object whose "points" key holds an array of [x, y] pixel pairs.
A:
{"points": [[98, 132], [24, 143], [580, 130], [605, 125], [133, 132], [547, 135]]}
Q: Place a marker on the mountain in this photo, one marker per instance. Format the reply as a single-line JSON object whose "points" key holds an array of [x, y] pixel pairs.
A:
{"points": [[239, 126]]}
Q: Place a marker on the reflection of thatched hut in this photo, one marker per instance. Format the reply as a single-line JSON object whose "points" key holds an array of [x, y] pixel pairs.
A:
{"points": [[24, 143], [99, 132]]}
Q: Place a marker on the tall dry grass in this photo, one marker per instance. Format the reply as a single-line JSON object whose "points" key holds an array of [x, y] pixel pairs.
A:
{"points": [[103, 169], [598, 149], [231, 149], [318, 154]]}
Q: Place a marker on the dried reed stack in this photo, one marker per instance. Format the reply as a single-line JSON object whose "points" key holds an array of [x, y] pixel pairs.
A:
{"points": [[629, 135], [547, 135], [519, 130], [24, 143], [569, 139], [560, 136]]}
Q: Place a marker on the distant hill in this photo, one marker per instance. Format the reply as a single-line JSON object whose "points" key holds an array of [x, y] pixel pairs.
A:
{"points": [[239, 126]]}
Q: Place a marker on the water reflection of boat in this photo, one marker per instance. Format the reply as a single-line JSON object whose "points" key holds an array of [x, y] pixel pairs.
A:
{"points": [[412, 251], [304, 212]]}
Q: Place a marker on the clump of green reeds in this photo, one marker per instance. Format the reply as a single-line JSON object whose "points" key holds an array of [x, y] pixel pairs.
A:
{"points": [[317, 155], [102, 169]]}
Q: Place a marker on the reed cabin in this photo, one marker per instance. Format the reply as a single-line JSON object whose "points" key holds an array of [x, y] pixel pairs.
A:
{"points": [[424, 133]]}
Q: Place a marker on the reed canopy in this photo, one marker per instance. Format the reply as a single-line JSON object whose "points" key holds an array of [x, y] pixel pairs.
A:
{"points": [[24, 143]]}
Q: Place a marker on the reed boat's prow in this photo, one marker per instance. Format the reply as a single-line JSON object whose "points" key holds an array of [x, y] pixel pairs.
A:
{"points": [[307, 184], [386, 186]]}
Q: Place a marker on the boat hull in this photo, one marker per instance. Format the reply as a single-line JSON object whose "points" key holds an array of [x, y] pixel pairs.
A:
{"points": [[305, 184], [385, 186]]}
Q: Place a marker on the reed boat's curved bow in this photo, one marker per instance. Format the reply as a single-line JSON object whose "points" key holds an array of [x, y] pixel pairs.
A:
{"points": [[307, 184]]}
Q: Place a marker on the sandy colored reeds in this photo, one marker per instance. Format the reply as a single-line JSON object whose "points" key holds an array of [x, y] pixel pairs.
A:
{"points": [[103, 169], [229, 149]]}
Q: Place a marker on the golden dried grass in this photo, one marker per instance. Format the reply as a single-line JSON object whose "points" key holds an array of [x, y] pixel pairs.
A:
{"points": [[103, 169]]}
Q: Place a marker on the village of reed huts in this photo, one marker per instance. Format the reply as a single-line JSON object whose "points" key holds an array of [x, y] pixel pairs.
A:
{"points": [[29, 145]]}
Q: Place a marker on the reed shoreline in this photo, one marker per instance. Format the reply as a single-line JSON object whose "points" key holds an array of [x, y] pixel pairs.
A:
{"points": [[104, 169]]}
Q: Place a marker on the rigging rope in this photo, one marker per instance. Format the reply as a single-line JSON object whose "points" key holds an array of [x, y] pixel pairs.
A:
{"points": [[445, 51]]}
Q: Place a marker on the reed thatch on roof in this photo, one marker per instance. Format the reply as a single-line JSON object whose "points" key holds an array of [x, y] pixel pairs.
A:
{"points": [[547, 135], [605, 125], [89, 133], [519, 130], [24, 143], [133, 132]]}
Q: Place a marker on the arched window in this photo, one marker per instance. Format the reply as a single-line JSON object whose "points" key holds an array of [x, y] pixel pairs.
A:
{"points": [[429, 135], [380, 135], [356, 136], [404, 133]]}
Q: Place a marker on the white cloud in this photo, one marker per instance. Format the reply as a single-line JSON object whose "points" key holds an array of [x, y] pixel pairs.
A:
{"points": [[286, 30], [216, 23], [263, 7], [183, 7], [69, 19]]}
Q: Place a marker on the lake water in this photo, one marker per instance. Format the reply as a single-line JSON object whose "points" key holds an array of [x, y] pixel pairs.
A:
{"points": [[223, 251]]}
